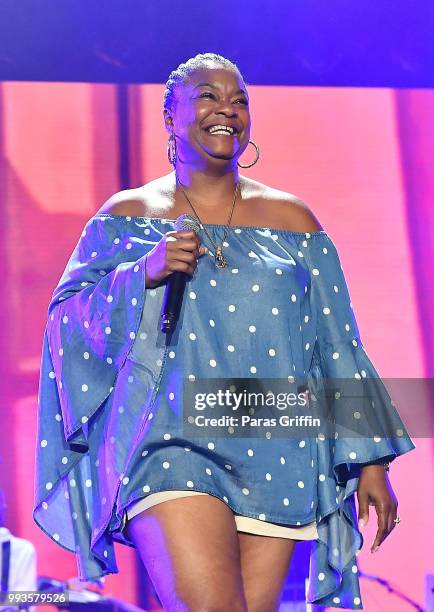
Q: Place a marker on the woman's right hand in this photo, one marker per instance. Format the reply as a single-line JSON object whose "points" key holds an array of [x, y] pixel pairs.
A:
{"points": [[177, 251]]}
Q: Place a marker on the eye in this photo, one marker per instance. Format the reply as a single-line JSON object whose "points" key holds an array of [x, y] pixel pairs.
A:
{"points": [[206, 94], [243, 101]]}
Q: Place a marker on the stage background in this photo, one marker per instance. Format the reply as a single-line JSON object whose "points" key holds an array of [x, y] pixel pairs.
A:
{"points": [[340, 150], [344, 121]]}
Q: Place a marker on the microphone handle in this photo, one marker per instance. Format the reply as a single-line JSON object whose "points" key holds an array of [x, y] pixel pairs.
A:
{"points": [[172, 301]]}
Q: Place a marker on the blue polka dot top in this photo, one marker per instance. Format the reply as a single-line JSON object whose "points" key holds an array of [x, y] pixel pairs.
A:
{"points": [[115, 424]]}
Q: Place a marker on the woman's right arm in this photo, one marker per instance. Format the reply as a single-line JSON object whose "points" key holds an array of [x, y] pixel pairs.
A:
{"points": [[177, 251], [95, 310]]}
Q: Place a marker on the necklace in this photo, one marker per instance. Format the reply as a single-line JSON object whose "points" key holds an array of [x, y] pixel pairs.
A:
{"points": [[220, 259]]}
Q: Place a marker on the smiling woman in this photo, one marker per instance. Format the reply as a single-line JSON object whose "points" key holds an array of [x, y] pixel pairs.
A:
{"points": [[266, 298], [192, 94]]}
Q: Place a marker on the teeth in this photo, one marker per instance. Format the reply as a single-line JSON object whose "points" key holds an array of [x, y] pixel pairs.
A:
{"points": [[220, 129]]}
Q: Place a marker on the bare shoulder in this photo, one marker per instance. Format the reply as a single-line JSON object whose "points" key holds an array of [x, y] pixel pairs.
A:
{"points": [[287, 209], [298, 214], [124, 203], [138, 202]]}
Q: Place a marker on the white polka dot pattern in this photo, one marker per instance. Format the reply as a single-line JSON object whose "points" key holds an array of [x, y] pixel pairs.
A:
{"points": [[280, 306]]}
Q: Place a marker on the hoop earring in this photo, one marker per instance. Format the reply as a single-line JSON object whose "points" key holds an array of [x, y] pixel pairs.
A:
{"points": [[171, 149], [257, 156]]}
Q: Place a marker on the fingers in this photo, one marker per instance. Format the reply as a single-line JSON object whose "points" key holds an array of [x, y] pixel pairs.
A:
{"points": [[175, 252], [182, 266], [392, 518], [183, 250], [382, 530], [182, 262], [184, 234], [363, 500], [374, 489], [185, 241], [386, 512]]}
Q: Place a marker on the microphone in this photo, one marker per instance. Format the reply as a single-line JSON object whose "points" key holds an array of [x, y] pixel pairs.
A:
{"points": [[175, 285]]}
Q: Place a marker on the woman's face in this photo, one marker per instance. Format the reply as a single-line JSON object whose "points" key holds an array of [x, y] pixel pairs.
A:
{"points": [[211, 97]]}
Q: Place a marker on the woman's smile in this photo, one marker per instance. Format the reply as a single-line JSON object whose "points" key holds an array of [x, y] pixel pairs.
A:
{"points": [[220, 130]]}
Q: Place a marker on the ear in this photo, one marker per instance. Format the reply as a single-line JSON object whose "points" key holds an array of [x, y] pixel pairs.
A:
{"points": [[168, 120]]}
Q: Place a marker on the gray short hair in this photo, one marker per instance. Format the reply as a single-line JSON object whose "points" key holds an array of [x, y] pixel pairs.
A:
{"points": [[180, 75]]}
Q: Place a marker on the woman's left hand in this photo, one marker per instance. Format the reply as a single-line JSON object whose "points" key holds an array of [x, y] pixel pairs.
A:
{"points": [[374, 489]]}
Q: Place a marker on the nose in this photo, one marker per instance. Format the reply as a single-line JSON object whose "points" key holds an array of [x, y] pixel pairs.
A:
{"points": [[226, 107]]}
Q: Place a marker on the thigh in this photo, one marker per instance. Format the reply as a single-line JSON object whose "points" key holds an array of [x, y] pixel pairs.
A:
{"points": [[265, 563], [190, 549]]}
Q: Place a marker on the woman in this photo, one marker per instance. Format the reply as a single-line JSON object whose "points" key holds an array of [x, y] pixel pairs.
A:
{"points": [[266, 298]]}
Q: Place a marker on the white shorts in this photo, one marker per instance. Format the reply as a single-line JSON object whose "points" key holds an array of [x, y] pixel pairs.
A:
{"points": [[244, 523]]}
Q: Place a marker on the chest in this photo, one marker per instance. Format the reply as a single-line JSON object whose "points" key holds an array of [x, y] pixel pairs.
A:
{"points": [[250, 211]]}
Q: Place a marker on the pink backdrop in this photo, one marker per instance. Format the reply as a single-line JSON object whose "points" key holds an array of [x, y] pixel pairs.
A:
{"points": [[346, 152]]}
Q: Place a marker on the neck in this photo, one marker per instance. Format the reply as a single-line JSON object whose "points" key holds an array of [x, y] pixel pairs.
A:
{"points": [[208, 188]]}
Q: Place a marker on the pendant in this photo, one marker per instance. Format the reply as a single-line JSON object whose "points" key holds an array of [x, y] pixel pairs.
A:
{"points": [[220, 259]]}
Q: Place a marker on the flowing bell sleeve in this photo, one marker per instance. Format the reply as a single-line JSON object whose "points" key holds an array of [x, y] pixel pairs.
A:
{"points": [[366, 424], [363, 425], [93, 318], [94, 313]]}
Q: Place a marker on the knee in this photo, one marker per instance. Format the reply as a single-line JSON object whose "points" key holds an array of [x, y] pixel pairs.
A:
{"points": [[263, 603]]}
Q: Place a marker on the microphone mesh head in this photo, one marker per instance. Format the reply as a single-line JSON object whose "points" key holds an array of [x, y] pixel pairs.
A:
{"points": [[186, 222]]}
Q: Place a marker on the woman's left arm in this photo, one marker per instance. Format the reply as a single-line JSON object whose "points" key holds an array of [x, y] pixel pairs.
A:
{"points": [[367, 426], [375, 489]]}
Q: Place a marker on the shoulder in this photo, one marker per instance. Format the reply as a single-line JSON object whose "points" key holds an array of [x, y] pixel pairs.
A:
{"points": [[124, 203], [288, 209], [297, 214], [138, 202]]}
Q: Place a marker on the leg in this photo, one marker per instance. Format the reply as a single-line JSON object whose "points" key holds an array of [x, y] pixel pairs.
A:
{"points": [[190, 549], [264, 564]]}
